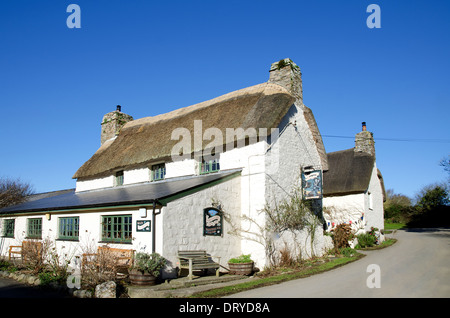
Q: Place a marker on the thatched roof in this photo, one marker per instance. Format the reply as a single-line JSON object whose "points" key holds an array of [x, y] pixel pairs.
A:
{"points": [[146, 140], [349, 172]]}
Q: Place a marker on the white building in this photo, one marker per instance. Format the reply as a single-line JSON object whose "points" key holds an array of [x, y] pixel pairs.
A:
{"points": [[150, 185], [353, 187]]}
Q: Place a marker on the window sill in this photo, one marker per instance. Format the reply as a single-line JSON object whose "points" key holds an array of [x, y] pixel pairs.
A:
{"points": [[115, 242]]}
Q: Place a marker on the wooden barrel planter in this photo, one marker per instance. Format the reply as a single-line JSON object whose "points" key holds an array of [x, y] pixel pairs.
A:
{"points": [[142, 279], [241, 268]]}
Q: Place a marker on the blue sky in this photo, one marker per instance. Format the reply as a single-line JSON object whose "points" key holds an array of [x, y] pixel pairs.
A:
{"points": [[152, 57]]}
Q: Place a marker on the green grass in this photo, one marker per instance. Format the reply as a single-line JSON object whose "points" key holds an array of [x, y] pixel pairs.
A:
{"points": [[393, 226], [279, 278]]}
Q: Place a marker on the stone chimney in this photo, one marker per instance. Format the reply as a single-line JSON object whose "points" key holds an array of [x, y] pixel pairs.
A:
{"points": [[364, 141], [287, 74], [112, 123]]}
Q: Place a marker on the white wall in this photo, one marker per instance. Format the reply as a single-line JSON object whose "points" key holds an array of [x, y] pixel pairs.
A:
{"points": [[375, 216], [294, 149], [89, 232], [182, 223], [346, 209], [94, 184], [357, 209]]}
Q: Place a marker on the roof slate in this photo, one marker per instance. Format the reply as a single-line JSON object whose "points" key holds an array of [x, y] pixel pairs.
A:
{"points": [[120, 196]]}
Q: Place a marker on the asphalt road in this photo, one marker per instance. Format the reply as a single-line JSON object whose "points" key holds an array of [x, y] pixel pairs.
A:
{"points": [[10, 288], [416, 266]]}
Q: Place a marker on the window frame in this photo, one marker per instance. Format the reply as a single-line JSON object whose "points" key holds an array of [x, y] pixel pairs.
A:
{"points": [[62, 228], [119, 178], [116, 231], [9, 226], [157, 170], [34, 231], [209, 166]]}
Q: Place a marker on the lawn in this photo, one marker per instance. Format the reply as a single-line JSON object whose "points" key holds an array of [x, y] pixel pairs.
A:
{"points": [[393, 226], [280, 275]]}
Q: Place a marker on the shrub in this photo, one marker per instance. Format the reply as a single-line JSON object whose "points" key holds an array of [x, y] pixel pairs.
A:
{"points": [[241, 259], [342, 234], [366, 240], [151, 263]]}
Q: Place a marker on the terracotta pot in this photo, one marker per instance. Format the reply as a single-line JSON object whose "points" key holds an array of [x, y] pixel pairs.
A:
{"points": [[141, 278], [241, 268]]}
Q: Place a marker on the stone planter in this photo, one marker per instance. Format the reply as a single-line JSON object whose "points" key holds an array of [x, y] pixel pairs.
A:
{"points": [[241, 268], [141, 278]]}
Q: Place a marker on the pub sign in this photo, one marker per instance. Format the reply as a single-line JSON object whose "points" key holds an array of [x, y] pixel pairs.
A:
{"points": [[312, 184], [212, 222]]}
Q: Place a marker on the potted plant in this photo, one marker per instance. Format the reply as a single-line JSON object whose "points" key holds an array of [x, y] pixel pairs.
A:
{"points": [[146, 268], [241, 265]]}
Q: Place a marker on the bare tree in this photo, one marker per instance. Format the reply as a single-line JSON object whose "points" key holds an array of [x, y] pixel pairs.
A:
{"points": [[13, 191]]}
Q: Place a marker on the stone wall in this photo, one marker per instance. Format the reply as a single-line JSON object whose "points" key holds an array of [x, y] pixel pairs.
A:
{"points": [[182, 224], [112, 123]]}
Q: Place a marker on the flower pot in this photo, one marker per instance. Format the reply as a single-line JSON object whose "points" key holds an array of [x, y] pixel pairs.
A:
{"points": [[241, 268], [141, 278]]}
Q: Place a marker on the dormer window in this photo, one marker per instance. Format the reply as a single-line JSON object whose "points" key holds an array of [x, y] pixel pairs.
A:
{"points": [[158, 172], [119, 178], [208, 166]]}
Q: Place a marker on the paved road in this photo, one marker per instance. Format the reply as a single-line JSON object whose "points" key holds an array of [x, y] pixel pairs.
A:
{"points": [[10, 288], [418, 265]]}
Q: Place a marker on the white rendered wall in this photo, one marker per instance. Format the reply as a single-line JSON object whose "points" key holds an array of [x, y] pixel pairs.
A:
{"points": [[94, 184], [374, 215], [294, 149], [89, 233], [180, 168], [356, 209], [136, 176], [346, 209], [182, 223]]}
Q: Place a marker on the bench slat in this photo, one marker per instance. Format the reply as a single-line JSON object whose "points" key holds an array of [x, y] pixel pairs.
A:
{"points": [[195, 260]]}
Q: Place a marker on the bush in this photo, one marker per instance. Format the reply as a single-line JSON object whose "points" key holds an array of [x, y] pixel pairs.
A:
{"points": [[151, 263], [241, 259], [342, 234], [366, 240]]}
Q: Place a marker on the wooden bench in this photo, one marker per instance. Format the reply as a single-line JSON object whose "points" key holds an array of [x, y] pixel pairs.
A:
{"points": [[31, 247], [112, 258], [197, 260], [15, 249]]}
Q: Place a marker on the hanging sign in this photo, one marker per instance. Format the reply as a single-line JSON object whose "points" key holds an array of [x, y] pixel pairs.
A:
{"points": [[212, 222], [312, 184], [143, 226]]}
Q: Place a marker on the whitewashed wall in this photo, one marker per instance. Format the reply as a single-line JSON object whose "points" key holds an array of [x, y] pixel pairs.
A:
{"points": [[89, 234], [374, 215], [348, 209], [294, 149], [362, 210], [182, 223]]}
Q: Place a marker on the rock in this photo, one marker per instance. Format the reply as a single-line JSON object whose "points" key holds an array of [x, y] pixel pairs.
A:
{"points": [[106, 290], [82, 293]]}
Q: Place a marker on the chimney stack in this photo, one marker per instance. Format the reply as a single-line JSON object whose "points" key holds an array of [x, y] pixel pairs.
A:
{"points": [[287, 74], [112, 123], [364, 141]]}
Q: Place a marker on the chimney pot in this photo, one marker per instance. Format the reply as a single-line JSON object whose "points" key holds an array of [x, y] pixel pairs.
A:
{"points": [[287, 74]]}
